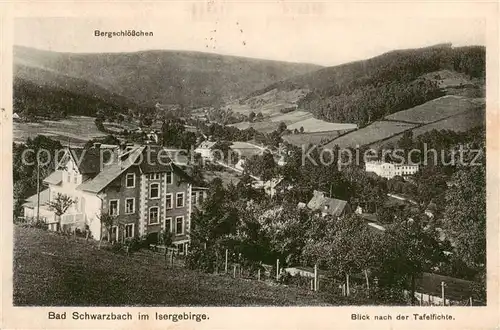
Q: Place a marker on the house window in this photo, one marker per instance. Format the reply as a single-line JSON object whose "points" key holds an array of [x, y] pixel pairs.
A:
{"points": [[193, 198], [201, 197], [129, 205], [180, 248], [130, 180], [179, 200], [75, 179], [168, 224], [179, 225], [155, 176], [69, 177], [154, 190], [129, 230], [169, 177], [169, 204], [113, 207], [153, 215]]}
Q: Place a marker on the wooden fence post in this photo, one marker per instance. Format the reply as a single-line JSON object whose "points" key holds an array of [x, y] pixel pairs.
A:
{"points": [[367, 281], [470, 301], [225, 268], [316, 277], [348, 291], [172, 258], [234, 271], [442, 293], [258, 274], [277, 269]]}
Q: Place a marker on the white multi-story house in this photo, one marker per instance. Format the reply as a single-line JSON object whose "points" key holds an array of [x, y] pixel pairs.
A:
{"points": [[141, 186], [389, 170]]}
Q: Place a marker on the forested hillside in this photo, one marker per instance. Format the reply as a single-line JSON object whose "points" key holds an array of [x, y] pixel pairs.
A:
{"points": [[166, 77], [364, 91], [33, 101]]}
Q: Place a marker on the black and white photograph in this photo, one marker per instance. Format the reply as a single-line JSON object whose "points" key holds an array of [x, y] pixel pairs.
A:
{"points": [[229, 162]]}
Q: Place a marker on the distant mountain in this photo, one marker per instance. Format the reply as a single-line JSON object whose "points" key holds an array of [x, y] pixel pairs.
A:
{"points": [[364, 91], [150, 77]]}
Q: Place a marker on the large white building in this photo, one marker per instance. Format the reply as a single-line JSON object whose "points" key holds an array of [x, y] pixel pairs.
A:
{"points": [[389, 170]]}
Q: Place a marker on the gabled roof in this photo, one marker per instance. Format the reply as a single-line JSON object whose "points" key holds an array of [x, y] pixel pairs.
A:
{"points": [[31, 201], [332, 206], [54, 178], [155, 160], [206, 144], [110, 173], [89, 160]]}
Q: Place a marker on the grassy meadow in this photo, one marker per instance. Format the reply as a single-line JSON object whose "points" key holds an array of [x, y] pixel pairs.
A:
{"points": [[55, 270], [75, 130]]}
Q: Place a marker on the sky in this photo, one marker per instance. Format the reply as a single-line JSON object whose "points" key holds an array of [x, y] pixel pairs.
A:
{"points": [[323, 40]]}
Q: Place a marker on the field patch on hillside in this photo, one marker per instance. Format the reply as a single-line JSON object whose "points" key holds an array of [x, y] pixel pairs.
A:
{"points": [[296, 120], [437, 109], [460, 123], [316, 138], [75, 130], [318, 125], [374, 132]]}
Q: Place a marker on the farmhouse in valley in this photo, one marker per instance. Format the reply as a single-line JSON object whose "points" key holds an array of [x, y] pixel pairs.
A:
{"points": [[141, 186], [327, 205], [389, 170]]}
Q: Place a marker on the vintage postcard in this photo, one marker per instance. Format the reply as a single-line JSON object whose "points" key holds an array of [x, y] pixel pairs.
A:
{"points": [[249, 165]]}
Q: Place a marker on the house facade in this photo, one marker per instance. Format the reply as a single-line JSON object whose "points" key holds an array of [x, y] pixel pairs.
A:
{"points": [[140, 186], [389, 170]]}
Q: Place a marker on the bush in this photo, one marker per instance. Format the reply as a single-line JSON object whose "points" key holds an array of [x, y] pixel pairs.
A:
{"points": [[201, 259], [135, 244]]}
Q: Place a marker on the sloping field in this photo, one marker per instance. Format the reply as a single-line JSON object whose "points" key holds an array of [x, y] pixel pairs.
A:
{"points": [[377, 131], [316, 138], [437, 109], [269, 103], [291, 117], [75, 130], [295, 120], [261, 126], [317, 125], [460, 123], [54, 270], [447, 78]]}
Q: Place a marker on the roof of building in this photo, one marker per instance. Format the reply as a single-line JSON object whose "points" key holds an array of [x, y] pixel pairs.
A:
{"points": [[89, 160], [455, 288], [54, 178], [110, 173], [245, 145], [155, 160], [206, 144], [332, 206], [31, 201]]}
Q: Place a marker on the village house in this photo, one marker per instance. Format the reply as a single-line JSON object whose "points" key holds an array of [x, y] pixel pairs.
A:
{"points": [[389, 170], [327, 205], [141, 186], [205, 149]]}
